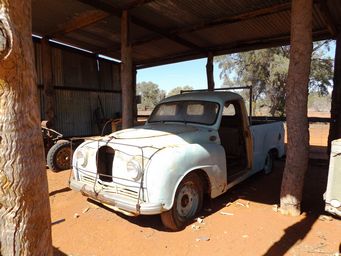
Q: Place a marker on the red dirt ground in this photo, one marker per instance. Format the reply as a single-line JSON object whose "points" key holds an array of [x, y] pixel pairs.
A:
{"points": [[89, 229]]}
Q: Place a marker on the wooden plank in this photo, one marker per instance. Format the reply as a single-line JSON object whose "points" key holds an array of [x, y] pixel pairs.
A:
{"points": [[126, 74], [209, 71], [85, 19], [47, 81]]}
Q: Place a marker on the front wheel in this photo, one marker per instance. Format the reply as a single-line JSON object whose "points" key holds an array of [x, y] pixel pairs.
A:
{"points": [[187, 203]]}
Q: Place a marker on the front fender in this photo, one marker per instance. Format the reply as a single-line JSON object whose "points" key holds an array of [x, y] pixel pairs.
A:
{"points": [[169, 166]]}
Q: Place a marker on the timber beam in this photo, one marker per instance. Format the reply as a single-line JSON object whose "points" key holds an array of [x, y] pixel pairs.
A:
{"points": [[106, 7], [80, 21], [127, 78], [221, 21], [240, 46], [49, 93], [209, 71], [327, 18], [137, 3]]}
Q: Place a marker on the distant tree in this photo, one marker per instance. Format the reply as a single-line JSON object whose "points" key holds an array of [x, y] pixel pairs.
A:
{"points": [[150, 93], [267, 71], [178, 89]]}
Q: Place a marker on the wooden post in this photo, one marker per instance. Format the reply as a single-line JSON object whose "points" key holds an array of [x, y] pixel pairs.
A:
{"points": [[335, 125], [47, 80], [209, 71], [126, 74], [134, 71]]}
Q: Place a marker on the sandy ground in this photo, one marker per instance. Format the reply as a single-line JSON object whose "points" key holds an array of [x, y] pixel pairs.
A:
{"points": [[248, 226], [241, 222]]}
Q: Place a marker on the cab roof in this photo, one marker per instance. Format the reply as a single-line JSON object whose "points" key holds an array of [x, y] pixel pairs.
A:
{"points": [[215, 96]]}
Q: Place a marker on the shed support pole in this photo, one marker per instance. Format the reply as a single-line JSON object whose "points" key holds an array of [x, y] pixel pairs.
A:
{"points": [[335, 113], [209, 71], [126, 74], [47, 81], [134, 93]]}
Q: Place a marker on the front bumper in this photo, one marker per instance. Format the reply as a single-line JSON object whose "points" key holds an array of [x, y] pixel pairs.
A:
{"points": [[117, 202], [333, 210]]}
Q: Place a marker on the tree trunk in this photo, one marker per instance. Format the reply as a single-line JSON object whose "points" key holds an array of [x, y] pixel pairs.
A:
{"points": [[126, 74], [335, 126], [25, 224], [296, 107]]}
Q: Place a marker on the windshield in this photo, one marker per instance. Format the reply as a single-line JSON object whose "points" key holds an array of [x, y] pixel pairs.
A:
{"points": [[200, 112]]}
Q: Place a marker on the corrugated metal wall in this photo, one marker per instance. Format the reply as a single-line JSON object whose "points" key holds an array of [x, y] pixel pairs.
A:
{"points": [[87, 91]]}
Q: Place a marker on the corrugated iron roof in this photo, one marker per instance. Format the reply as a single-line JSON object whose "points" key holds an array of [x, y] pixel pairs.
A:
{"points": [[220, 26]]}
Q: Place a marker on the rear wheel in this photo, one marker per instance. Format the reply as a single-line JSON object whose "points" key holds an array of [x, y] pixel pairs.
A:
{"points": [[59, 156], [187, 203], [268, 166]]}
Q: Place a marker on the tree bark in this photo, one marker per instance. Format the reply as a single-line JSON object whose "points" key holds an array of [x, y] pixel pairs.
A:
{"points": [[126, 74], [209, 71], [25, 224], [335, 114], [296, 107]]}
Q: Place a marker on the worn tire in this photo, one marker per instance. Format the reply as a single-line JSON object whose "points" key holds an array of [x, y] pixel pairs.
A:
{"points": [[59, 156], [187, 203], [269, 163]]}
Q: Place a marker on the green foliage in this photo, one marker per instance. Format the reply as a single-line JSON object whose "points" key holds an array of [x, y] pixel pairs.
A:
{"points": [[150, 93], [178, 89], [266, 70]]}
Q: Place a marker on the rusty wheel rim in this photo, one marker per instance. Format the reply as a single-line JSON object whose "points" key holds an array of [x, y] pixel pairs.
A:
{"points": [[63, 158]]}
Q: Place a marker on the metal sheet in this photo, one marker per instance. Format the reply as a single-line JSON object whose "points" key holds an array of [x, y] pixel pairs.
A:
{"points": [[75, 111]]}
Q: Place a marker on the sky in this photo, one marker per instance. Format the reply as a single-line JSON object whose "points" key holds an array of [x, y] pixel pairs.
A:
{"points": [[192, 73]]}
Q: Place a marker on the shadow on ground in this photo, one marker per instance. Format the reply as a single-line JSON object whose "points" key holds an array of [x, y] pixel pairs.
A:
{"points": [[265, 189], [62, 190], [57, 252]]}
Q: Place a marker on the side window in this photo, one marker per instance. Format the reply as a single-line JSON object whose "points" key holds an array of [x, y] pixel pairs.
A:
{"points": [[229, 109]]}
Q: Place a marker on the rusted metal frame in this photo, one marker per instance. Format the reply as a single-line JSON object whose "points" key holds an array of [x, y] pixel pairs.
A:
{"points": [[83, 20], [327, 17], [209, 71], [139, 22], [229, 48], [49, 94]]}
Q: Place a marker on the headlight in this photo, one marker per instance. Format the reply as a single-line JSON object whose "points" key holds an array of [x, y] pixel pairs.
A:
{"points": [[134, 169], [335, 203], [82, 157]]}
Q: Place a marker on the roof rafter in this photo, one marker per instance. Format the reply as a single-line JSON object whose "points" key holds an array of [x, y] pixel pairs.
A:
{"points": [[139, 22], [225, 20], [85, 19], [326, 17], [137, 3], [241, 46]]}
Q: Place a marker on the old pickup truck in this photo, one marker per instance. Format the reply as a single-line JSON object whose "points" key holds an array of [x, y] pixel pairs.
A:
{"points": [[194, 146]]}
